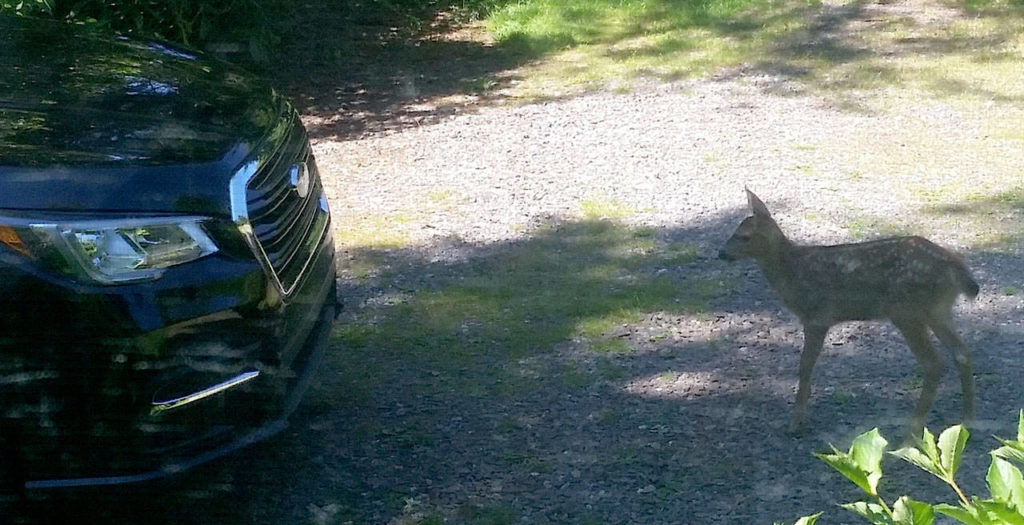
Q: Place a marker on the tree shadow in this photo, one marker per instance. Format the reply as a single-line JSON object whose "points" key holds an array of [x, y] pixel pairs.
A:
{"points": [[362, 67]]}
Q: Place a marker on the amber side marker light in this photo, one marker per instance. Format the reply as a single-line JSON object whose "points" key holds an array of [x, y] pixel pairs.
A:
{"points": [[11, 239]]}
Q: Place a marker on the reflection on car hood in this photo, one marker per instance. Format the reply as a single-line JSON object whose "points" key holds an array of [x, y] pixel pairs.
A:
{"points": [[78, 108]]}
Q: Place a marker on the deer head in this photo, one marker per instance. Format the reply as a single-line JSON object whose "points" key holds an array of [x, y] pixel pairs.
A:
{"points": [[756, 237]]}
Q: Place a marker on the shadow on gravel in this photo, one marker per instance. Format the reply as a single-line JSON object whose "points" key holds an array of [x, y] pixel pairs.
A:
{"points": [[361, 67], [588, 373]]}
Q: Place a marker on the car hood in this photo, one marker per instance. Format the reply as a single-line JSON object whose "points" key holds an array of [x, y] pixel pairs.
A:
{"points": [[91, 122]]}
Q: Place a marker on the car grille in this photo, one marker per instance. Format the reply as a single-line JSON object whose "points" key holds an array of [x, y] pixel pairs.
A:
{"points": [[284, 214]]}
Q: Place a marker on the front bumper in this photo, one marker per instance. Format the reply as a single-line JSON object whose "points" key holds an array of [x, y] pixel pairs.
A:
{"points": [[89, 376]]}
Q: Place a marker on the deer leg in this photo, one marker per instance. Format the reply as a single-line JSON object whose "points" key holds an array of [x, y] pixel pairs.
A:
{"points": [[916, 334], [814, 337], [943, 328]]}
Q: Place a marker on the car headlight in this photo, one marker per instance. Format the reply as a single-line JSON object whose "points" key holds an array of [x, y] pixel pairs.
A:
{"points": [[110, 251]]}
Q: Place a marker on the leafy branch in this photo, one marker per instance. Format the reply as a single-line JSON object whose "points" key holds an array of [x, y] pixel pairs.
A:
{"points": [[862, 465]]}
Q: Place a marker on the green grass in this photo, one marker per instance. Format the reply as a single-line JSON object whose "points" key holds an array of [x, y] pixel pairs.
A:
{"points": [[441, 197], [668, 377], [842, 397], [585, 43], [603, 208], [803, 169], [574, 378], [576, 45], [609, 370], [578, 281], [992, 217], [869, 227], [612, 345], [369, 264], [375, 232]]}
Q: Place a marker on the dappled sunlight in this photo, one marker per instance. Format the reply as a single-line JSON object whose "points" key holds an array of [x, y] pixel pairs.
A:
{"points": [[861, 56], [667, 40], [690, 385], [834, 49]]}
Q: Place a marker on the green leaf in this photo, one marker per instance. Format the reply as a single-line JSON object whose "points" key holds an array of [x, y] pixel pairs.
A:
{"points": [[1011, 450], [927, 443], [999, 513], [872, 512], [966, 516], [1006, 483], [867, 450], [909, 512], [808, 520], [918, 458], [951, 446], [863, 464], [845, 465]]}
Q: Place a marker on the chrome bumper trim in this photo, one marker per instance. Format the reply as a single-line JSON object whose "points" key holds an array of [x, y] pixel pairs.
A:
{"points": [[161, 406]]}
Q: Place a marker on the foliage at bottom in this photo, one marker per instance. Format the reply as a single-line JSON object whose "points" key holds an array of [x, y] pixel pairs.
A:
{"points": [[863, 466]]}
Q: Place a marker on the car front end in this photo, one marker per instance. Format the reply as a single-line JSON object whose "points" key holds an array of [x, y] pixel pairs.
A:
{"points": [[167, 274]]}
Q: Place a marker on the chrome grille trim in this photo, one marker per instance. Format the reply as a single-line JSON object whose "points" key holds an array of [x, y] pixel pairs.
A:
{"points": [[282, 227]]}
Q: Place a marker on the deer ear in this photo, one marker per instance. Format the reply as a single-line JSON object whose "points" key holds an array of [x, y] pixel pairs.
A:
{"points": [[756, 205]]}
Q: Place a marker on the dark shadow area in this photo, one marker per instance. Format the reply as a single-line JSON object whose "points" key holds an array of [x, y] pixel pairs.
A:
{"points": [[587, 373], [359, 67]]}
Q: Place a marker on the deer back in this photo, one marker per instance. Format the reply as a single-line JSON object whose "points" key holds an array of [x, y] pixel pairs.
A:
{"points": [[901, 276], [870, 280]]}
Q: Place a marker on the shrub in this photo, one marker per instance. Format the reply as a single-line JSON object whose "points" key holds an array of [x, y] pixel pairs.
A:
{"points": [[246, 23], [863, 466]]}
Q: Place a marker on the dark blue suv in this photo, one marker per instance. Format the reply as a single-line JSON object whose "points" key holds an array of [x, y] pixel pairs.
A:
{"points": [[167, 274]]}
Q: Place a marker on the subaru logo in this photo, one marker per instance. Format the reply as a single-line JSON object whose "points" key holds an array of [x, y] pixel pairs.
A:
{"points": [[300, 179]]}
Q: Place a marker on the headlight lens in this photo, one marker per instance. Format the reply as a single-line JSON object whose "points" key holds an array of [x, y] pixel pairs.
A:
{"points": [[112, 251]]}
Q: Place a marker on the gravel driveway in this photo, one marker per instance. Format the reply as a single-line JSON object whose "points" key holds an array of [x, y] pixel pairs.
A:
{"points": [[692, 430]]}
